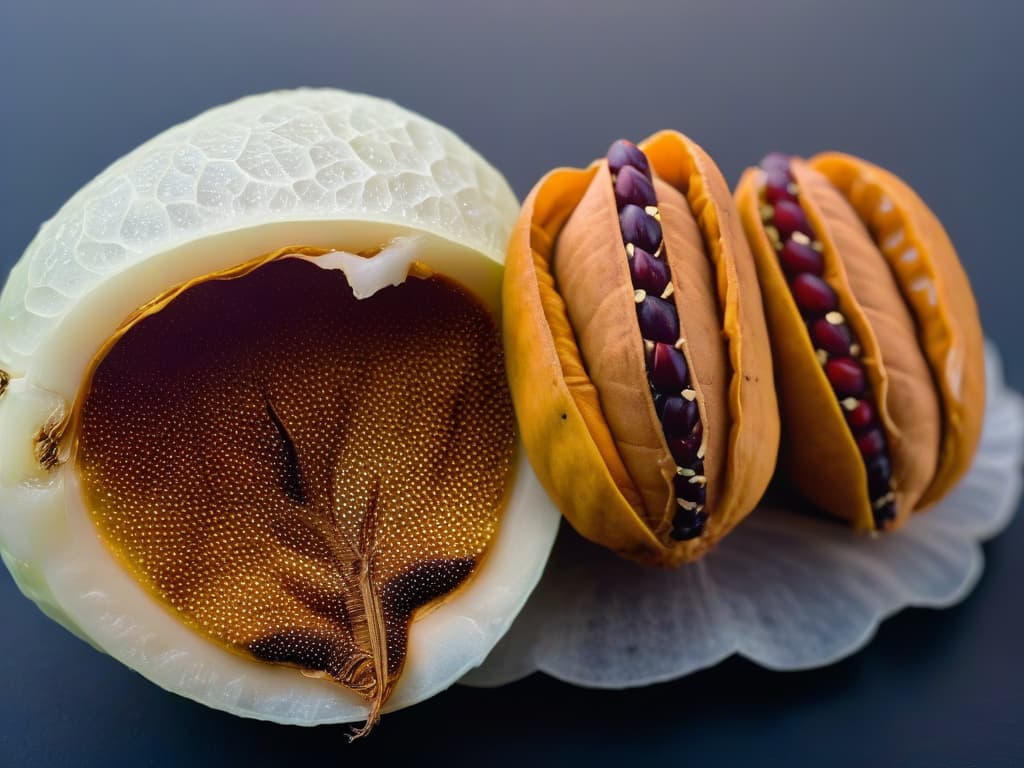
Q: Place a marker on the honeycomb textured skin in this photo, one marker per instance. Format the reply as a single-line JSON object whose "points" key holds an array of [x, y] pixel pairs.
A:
{"points": [[287, 155]]}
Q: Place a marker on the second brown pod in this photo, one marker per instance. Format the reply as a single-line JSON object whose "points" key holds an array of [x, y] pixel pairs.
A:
{"points": [[875, 332], [637, 351]]}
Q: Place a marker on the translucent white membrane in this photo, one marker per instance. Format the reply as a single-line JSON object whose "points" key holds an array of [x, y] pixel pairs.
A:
{"points": [[786, 591]]}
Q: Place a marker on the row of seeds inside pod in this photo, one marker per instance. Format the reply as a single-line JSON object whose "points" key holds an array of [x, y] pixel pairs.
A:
{"points": [[800, 255], [675, 401]]}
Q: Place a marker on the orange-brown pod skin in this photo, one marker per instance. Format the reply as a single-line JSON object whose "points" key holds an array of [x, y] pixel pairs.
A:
{"points": [[559, 410], [820, 452], [936, 288]]}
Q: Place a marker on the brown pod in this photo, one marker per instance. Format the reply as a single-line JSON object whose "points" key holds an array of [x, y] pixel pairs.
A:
{"points": [[875, 333], [637, 350]]}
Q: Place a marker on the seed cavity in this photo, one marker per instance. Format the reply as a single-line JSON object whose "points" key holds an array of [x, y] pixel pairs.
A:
{"points": [[835, 346], [296, 472], [667, 372], [5, 380]]}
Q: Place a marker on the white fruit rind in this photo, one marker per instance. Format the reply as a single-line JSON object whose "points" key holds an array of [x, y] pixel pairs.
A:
{"points": [[312, 167]]}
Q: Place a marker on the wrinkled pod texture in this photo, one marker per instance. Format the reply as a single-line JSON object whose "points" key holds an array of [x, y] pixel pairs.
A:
{"points": [[874, 332], [637, 350]]}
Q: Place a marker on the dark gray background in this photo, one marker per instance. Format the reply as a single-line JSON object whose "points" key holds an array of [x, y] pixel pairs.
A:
{"points": [[931, 90]]}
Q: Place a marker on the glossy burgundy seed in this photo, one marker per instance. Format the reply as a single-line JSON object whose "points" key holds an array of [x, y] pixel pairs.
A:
{"points": [[879, 469], [658, 320], [668, 369], [846, 376], [659, 404], [813, 295], [688, 524], [684, 449], [798, 257], [775, 161], [647, 272], [790, 218], [624, 153], [678, 416], [834, 339], [639, 228], [871, 443], [885, 514], [690, 491], [862, 415], [632, 187], [776, 186]]}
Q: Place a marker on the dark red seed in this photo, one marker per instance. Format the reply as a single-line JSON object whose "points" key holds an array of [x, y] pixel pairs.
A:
{"points": [[799, 257], [871, 443], [684, 449], [885, 514], [623, 153], [690, 491], [834, 339], [776, 186], [639, 228], [862, 415], [668, 369], [658, 320], [659, 403], [879, 474], [688, 524], [678, 416], [647, 272], [632, 187], [790, 218], [813, 295], [774, 161], [846, 376]]}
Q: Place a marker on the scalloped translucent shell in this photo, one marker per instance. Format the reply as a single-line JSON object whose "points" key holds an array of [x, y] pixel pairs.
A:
{"points": [[563, 428], [322, 168]]}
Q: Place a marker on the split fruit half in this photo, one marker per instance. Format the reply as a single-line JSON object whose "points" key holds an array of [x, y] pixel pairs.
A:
{"points": [[256, 439]]}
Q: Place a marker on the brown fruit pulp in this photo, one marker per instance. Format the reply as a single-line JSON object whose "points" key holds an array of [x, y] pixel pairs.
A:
{"points": [[294, 471]]}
